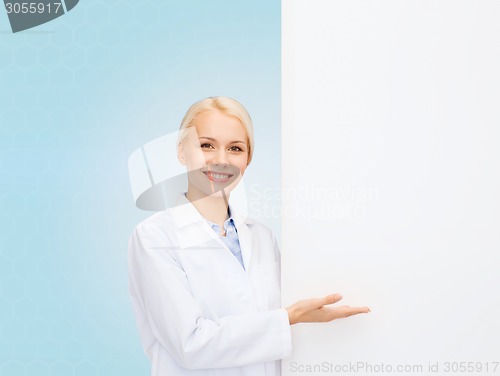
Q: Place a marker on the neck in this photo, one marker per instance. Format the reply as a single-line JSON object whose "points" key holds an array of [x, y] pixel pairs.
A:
{"points": [[213, 208]]}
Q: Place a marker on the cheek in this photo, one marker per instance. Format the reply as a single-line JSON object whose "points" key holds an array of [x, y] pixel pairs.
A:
{"points": [[195, 158], [242, 164]]}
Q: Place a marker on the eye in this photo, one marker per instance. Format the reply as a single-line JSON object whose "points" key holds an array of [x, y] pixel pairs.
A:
{"points": [[235, 148], [206, 146]]}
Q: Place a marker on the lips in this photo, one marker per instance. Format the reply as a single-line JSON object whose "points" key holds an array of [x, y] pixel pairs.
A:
{"points": [[218, 177]]}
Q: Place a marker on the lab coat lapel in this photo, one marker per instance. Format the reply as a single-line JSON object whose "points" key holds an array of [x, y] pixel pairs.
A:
{"points": [[194, 234], [193, 230], [245, 239]]}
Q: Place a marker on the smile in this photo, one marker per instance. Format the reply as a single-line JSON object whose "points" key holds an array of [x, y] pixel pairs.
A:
{"points": [[219, 177]]}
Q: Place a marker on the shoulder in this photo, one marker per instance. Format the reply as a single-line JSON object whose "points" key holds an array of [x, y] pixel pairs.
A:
{"points": [[156, 221], [263, 241], [156, 230], [261, 231], [257, 226]]}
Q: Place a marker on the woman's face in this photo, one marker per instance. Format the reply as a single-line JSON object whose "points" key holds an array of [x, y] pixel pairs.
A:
{"points": [[215, 152]]}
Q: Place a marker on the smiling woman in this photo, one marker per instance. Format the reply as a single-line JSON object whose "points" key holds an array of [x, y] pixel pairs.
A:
{"points": [[205, 281], [216, 152]]}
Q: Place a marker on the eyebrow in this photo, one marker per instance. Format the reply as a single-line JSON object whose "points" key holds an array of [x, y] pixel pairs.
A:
{"points": [[232, 142]]}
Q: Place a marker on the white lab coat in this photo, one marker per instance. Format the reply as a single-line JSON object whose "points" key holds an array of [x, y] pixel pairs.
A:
{"points": [[198, 311]]}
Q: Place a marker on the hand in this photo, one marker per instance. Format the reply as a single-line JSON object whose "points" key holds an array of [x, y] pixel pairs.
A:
{"points": [[316, 310]]}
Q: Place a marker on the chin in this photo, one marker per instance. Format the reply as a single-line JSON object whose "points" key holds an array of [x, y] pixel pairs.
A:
{"points": [[213, 189], [219, 192]]}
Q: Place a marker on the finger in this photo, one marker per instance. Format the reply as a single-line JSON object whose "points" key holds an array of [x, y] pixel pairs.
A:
{"points": [[350, 311], [317, 303], [331, 299], [344, 311]]}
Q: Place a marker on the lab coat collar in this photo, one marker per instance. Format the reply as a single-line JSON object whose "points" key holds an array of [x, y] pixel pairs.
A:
{"points": [[185, 213], [194, 230]]}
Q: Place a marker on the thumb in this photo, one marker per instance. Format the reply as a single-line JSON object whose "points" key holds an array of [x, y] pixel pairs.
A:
{"points": [[329, 299]]}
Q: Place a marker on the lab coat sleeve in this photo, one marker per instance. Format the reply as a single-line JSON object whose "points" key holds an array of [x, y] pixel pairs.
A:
{"points": [[177, 321]]}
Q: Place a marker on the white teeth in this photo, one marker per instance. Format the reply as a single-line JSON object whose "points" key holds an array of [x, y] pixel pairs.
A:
{"points": [[219, 176]]}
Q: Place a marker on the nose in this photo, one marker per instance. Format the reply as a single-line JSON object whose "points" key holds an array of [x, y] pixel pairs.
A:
{"points": [[219, 157]]}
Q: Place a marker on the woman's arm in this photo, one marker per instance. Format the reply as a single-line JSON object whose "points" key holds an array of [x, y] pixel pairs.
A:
{"points": [[176, 320]]}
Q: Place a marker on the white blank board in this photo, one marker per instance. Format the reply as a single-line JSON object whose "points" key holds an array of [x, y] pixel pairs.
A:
{"points": [[391, 183]]}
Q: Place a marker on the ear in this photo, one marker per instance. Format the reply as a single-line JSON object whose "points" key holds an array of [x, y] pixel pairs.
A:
{"points": [[180, 154]]}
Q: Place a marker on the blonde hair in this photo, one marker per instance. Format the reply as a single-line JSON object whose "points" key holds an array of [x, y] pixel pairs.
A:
{"points": [[226, 105]]}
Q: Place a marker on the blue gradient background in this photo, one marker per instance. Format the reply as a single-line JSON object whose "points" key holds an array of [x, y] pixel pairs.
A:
{"points": [[77, 96]]}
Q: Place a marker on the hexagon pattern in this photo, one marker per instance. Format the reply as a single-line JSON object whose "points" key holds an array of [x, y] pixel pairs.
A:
{"points": [[77, 96]]}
